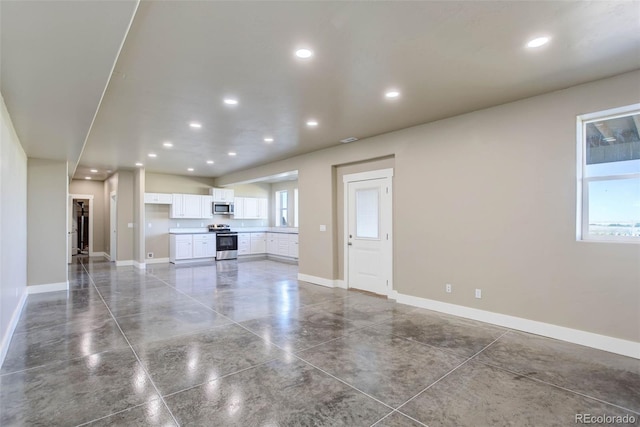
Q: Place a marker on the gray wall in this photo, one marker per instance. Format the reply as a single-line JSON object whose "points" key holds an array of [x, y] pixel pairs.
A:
{"points": [[47, 205], [110, 185], [165, 183], [125, 215], [487, 200], [13, 226], [95, 188], [138, 215]]}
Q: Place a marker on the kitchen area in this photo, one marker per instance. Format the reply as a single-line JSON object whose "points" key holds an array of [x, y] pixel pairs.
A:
{"points": [[187, 220]]}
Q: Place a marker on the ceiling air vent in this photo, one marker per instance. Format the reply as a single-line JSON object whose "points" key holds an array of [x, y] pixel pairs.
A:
{"points": [[347, 140]]}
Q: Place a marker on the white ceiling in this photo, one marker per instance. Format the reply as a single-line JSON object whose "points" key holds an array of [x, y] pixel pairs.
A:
{"points": [[180, 59]]}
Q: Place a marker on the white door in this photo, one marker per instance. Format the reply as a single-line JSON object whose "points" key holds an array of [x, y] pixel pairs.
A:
{"points": [[113, 227], [368, 235]]}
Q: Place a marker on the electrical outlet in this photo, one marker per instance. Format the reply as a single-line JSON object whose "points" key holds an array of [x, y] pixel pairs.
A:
{"points": [[478, 293], [447, 288], [150, 255]]}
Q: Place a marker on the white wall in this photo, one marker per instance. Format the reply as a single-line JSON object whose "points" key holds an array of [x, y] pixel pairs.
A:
{"points": [[13, 228]]}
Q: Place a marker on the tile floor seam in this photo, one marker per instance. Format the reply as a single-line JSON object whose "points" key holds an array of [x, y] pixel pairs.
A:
{"points": [[133, 350], [557, 386], [450, 372], [221, 377], [344, 382], [395, 411], [115, 413]]}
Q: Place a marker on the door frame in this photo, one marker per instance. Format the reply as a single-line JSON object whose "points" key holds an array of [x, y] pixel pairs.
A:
{"points": [[113, 225], [71, 210], [366, 176]]}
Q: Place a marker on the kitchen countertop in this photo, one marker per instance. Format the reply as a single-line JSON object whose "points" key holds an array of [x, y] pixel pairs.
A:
{"points": [[282, 230]]}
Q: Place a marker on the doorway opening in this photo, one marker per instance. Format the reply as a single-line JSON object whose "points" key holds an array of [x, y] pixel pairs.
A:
{"points": [[80, 242]]}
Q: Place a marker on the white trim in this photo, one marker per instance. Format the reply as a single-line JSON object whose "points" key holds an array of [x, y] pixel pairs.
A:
{"points": [[589, 339], [13, 323], [338, 283], [124, 263], [96, 254], [49, 287], [157, 260], [139, 265], [364, 176], [329, 283], [106, 255]]}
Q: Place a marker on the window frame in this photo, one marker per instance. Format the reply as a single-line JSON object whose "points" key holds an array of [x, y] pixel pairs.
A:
{"points": [[280, 208], [582, 188]]}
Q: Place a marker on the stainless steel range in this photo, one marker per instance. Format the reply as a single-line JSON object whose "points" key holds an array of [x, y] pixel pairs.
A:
{"points": [[226, 241]]}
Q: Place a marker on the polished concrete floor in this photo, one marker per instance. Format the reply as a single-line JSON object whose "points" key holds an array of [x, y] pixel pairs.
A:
{"points": [[246, 344]]}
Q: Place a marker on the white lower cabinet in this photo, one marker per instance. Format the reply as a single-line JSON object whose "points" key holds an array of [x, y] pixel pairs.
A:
{"points": [[293, 245], [204, 245], [191, 246], [244, 243], [258, 243], [272, 243]]}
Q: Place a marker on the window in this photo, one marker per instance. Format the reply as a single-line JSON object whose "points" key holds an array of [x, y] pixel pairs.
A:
{"points": [[609, 175], [282, 208]]}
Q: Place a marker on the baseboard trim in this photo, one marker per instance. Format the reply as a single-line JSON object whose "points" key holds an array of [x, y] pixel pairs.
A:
{"points": [[139, 265], [339, 283], [96, 254], [49, 287], [329, 283], [589, 339], [107, 256], [157, 260], [13, 324], [124, 263]]}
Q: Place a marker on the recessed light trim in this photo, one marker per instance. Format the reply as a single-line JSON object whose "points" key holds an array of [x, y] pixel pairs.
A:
{"points": [[538, 42], [195, 125], [312, 123], [232, 153], [87, 177], [94, 170], [152, 155], [304, 53], [139, 164], [167, 144], [190, 169], [209, 162], [269, 140], [392, 94], [231, 101]]}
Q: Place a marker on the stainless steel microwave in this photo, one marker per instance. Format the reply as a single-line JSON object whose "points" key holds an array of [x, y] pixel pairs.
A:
{"points": [[222, 208]]}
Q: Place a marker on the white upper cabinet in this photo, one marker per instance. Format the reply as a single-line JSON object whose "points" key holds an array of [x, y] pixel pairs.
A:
{"points": [[221, 194], [191, 206], [250, 208], [206, 208], [158, 198]]}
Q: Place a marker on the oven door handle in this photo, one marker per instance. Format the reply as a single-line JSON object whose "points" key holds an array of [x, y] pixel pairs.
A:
{"points": [[226, 235]]}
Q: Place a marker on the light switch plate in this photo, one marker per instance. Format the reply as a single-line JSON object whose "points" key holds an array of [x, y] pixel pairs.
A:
{"points": [[323, 227]]}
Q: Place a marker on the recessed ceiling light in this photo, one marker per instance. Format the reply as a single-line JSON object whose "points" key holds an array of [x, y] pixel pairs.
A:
{"points": [[209, 162], [610, 139], [195, 125], [139, 164], [152, 155], [304, 53], [87, 177], [190, 169], [109, 171], [167, 144], [392, 94], [94, 170], [538, 41], [231, 101], [312, 123], [268, 140], [232, 153]]}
